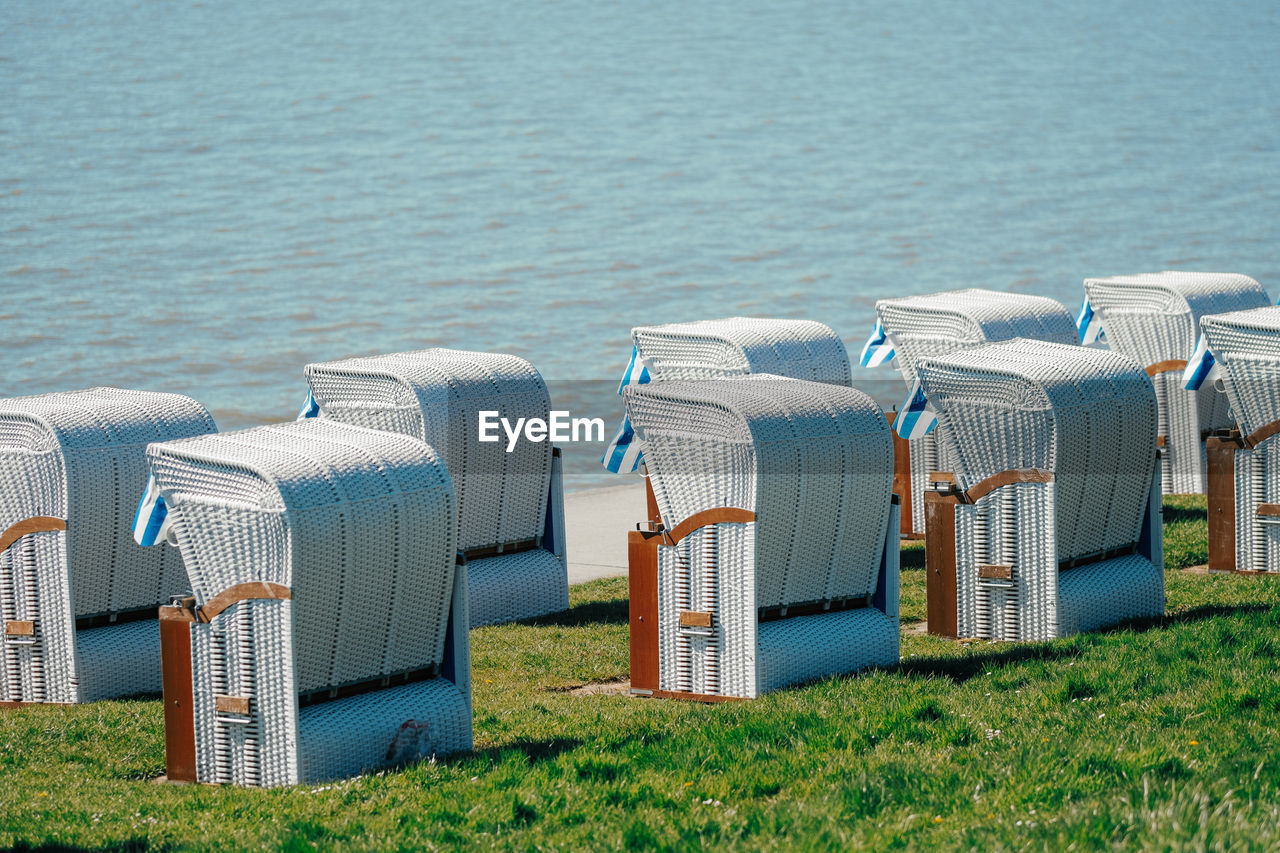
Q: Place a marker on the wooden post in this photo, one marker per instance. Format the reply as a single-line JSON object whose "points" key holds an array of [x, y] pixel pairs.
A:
{"points": [[651, 503], [642, 572], [940, 559], [902, 478], [1221, 487], [176, 690]]}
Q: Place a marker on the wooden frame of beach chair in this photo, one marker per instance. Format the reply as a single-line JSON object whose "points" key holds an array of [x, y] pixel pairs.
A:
{"points": [[778, 559], [326, 632], [1051, 522], [510, 504], [78, 596], [938, 323], [1243, 498]]}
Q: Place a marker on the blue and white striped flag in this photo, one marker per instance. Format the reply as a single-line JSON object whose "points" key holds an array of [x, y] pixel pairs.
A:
{"points": [[1089, 324], [310, 409], [878, 349], [1198, 366], [623, 453], [915, 418], [151, 521]]}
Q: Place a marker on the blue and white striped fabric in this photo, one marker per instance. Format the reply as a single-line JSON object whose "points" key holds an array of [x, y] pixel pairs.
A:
{"points": [[623, 456], [878, 349], [151, 521], [915, 418], [310, 409], [1198, 366], [1089, 324]]}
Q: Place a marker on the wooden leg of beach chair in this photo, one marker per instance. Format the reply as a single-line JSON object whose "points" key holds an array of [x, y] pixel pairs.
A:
{"points": [[940, 562], [642, 571], [1221, 453], [176, 691]]}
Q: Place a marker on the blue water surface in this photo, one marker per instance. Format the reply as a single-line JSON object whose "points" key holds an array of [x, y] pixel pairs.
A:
{"points": [[203, 197]]}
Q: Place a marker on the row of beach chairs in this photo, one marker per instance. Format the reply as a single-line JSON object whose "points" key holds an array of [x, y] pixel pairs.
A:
{"points": [[301, 593]]}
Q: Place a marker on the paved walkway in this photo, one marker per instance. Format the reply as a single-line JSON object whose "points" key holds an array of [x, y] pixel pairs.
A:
{"points": [[596, 524]]}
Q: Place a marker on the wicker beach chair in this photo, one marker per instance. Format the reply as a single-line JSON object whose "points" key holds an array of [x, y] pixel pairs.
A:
{"points": [[939, 323], [78, 597], [510, 504], [1049, 523], [722, 349], [1155, 318], [326, 630], [1246, 347], [778, 557]]}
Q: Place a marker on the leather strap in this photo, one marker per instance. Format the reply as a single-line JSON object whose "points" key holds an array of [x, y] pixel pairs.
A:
{"points": [[707, 517], [36, 524], [253, 591], [1253, 439], [1172, 364], [982, 488]]}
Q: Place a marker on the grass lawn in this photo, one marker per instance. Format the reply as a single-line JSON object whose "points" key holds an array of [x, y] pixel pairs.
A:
{"points": [[1159, 735]]}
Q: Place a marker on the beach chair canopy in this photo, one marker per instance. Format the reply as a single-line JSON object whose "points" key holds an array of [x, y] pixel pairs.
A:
{"points": [[1088, 416], [354, 526], [939, 323], [436, 395], [1246, 346], [736, 346], [1155, 317], [78, 456], [812, 461]]}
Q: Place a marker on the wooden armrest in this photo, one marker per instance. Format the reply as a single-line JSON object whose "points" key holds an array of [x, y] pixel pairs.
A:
{"points": [[699, 520]]}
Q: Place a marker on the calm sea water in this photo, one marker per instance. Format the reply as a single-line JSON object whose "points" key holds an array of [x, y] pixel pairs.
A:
{"points": [[203, 197]]}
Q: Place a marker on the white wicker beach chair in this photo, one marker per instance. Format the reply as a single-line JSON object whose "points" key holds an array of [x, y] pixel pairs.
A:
{"points": [[326, 634], [939, 323], [722, 349], [510, 504], [1050, 522], [1246, 347], [778, 561], [78, 597], [1155, 318]]}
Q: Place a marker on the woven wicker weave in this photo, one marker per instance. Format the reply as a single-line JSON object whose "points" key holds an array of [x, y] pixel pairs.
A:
{"points": [[359, 526], [814, 463], [503, 497], [1246, 346], [736, 346], [1089, 417], [78, 457], [1154, 318], [939, 323]]}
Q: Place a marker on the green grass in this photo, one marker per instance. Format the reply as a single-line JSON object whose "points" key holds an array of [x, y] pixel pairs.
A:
{"points": [[1160, 735]]}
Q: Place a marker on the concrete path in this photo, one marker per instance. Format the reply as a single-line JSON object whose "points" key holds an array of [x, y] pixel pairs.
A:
{"points": [[596, 524]]}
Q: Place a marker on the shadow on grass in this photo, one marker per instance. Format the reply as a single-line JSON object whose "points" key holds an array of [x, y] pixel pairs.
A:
{"points": [[535, 751], [611, 612], [1193, 614], [961, 669], [911, 558], [1176, 514]]}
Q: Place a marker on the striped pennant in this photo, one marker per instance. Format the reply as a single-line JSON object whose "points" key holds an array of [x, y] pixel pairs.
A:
{"points": [[1089, 324], [151, 521], [310, 409], [1198, 366], [878, 349], [915, 418], [623, 456]]}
